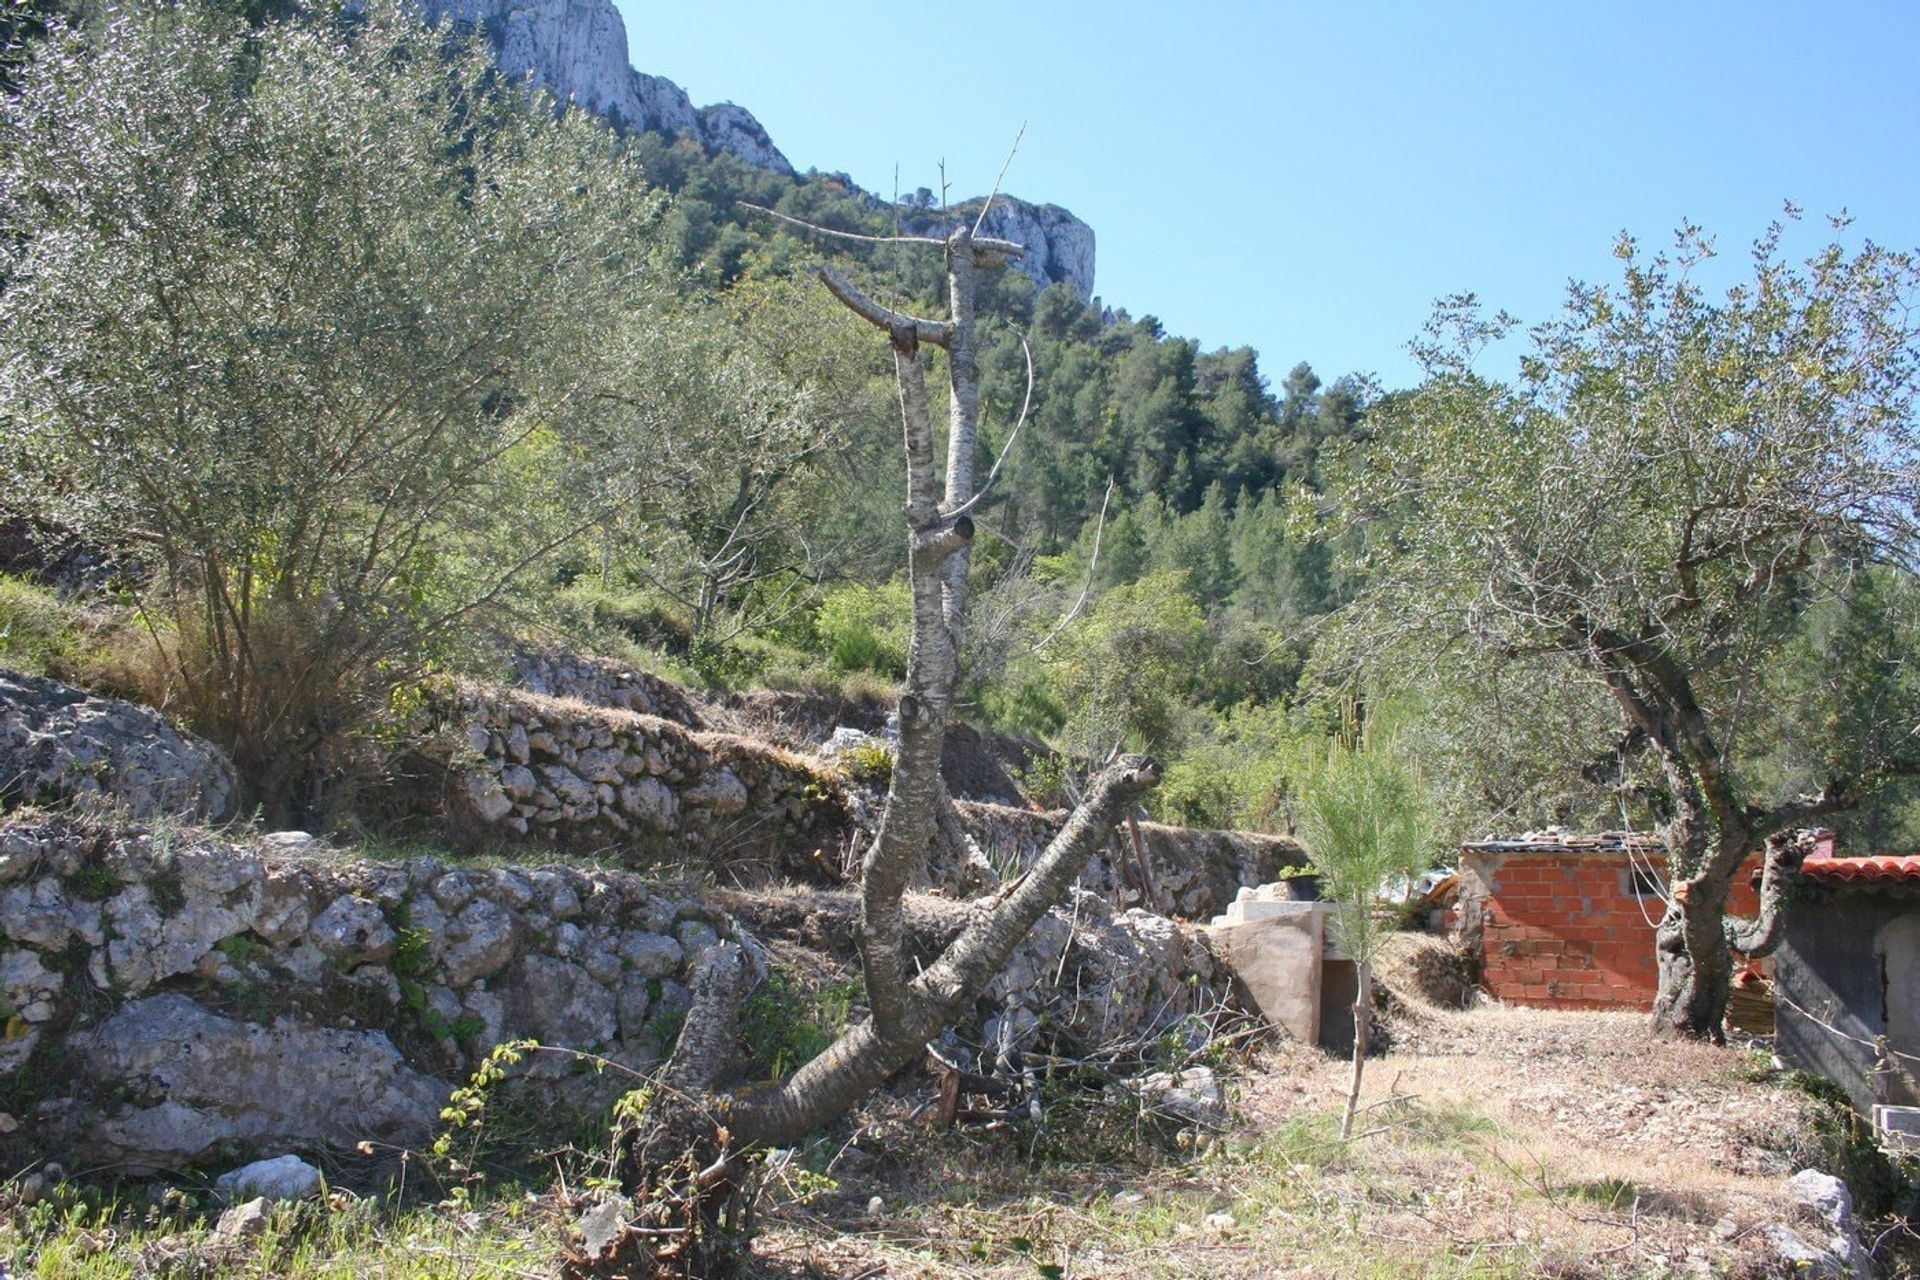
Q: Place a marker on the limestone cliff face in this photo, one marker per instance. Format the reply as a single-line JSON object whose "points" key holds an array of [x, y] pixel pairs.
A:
{"points": [[1059, 245], [578, 50]]}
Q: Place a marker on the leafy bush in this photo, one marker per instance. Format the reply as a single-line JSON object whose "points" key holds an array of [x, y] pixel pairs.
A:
{"points": [[326, 478], [866, 628]]}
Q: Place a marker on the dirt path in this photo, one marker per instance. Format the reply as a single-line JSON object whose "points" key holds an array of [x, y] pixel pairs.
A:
{"points": [[1496, 1142]]}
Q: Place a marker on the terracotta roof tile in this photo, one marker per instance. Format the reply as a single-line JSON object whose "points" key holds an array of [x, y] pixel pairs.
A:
{"points": [[1878, 869]]}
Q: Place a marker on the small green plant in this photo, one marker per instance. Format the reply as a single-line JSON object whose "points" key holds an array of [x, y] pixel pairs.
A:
{"points": [[412, 957], [466, 1107], [93, 883], [785, 1024], [869, 762], [241, 948]]}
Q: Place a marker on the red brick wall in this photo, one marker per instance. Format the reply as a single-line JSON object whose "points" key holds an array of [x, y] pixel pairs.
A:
{"points": [[1557, 930]]}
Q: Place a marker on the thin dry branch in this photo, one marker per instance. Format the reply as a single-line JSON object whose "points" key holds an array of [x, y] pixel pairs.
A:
{"points": [[1093, 564], [835, 232], [1000, 177]]}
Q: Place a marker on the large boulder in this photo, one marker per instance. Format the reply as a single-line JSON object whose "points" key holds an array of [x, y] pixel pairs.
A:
{"points": [[59, 744], [195, 1083]]}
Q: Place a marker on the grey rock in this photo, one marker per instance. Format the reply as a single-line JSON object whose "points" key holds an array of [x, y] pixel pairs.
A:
{"points": [[721, 791], [631, 1006], [223, 1081], [243, 1221], [651, 801], [1829, 1197], [292, 844], [651, 955], [282, 908], [518, 781], [695, 936], [510, 889], [489, 800], [145, 947], [568, 786], [60, 744], [600, 764], [491, 1011], [557, 893], [478, 941], [285, 1177], [215, 871], [561, 1004], [517, 746], [352, 928], [729, 128], [673, 1001], [42, 914], [453, 890], [25, 979], [15, 1052]]}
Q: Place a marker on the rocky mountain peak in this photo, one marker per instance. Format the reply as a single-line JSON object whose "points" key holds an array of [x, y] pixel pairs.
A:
{"points": [[578, 50]]}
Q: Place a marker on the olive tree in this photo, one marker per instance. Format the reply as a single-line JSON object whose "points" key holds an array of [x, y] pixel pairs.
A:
{"points": [[1672, 488], [314, 327]]}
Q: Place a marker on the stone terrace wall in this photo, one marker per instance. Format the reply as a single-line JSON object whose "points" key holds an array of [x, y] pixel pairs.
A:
{"points": [[174, 999], [601, 682], [589, 777], [1195, 873]]}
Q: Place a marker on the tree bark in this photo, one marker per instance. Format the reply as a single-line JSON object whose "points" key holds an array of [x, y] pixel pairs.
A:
{"points": [[1695, 942], [1362, 1033], [903, 1014]]}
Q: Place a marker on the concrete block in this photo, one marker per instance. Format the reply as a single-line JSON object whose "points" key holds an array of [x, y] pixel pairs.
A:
{"points": [[1276, 961], [1898, 1127]]}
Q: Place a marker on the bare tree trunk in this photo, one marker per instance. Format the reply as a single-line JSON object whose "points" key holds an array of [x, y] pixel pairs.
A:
{"points": [[904, 1013], [1362, 1032]]}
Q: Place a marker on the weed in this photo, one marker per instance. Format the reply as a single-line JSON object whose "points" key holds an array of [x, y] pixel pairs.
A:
{"points": [[870, 762], [785, 1024], [93, 883]]}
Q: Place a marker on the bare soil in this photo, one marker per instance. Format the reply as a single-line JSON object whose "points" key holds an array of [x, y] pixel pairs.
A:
{"points": [[1493, 1142]]}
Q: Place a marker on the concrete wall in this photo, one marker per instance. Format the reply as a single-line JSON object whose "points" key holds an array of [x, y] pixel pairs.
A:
{"points": [[1562, 930], [1847, 975]]}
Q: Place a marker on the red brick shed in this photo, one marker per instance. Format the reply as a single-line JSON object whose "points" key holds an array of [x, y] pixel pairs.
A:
{"points": [[1567, 921]]}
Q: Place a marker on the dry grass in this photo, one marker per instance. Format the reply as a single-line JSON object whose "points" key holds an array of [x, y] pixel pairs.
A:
{"points": [[1496, 1142]]}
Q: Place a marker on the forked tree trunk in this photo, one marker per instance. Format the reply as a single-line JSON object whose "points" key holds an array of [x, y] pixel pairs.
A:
{"points": [[904, 1012], [1696, 939]]}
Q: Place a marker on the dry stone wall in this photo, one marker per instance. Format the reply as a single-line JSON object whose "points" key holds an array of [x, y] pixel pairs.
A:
{"points": [[1193, 873], [170, 998], [564, 772]]}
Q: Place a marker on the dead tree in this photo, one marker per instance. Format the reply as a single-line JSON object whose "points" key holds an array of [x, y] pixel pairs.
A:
{"points": [[687, 1158]]}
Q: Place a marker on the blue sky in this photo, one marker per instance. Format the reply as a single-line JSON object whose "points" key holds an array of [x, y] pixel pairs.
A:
{"points": [[1308, 178]]}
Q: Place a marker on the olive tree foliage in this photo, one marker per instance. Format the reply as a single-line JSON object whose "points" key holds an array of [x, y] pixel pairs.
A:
{"points": [[1675, 485], [756, 411], [1363, 815], [317, 327]]}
